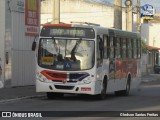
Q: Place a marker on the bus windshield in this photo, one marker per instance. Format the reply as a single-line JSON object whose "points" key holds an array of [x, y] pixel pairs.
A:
{"points": [[66, 54]]}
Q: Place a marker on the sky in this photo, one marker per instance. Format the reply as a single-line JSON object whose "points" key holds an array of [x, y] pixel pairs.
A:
{"points": [[154, 3]]}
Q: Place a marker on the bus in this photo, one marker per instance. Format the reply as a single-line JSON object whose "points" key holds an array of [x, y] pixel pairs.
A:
{"points": [[87, 59]]}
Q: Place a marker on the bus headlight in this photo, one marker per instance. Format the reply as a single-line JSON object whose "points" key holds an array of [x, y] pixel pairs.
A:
{"points": [[41, 78]]}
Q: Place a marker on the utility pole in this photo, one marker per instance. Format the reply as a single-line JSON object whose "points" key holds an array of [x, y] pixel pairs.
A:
{"points": [[138, 15], [56, 12], [129, 16], [118, 14]]}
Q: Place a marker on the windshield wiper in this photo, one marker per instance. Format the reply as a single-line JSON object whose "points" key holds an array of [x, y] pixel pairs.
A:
{"points": [[74, 50]]}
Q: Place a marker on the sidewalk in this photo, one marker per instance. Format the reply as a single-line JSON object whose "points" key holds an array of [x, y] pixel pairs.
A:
{"points": [[15, 93], [150, 77]]}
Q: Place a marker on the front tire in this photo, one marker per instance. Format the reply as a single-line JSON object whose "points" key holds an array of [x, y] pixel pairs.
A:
{"points": [[102, 95]]}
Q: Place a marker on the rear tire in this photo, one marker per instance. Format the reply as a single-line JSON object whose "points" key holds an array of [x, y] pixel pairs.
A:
{"points": [[51, 95], [126, 91]]}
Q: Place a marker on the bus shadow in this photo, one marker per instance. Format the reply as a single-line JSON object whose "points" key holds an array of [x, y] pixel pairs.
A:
{"points": [[89, 98]]}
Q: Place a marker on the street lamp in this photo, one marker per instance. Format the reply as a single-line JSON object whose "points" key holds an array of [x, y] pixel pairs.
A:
{"points": [[128, 3]]}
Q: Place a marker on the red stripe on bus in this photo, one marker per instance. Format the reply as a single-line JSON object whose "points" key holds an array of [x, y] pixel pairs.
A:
{"points": [[56, 25], [54, 75]]}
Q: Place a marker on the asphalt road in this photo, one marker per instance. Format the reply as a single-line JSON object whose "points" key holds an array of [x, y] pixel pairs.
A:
{"points": [[146, 99]]}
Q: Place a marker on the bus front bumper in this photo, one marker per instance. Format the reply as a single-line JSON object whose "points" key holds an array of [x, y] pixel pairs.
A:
{"points": [[91, 88]]}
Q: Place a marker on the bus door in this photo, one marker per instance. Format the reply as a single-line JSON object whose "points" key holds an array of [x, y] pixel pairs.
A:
{"points": [[100, 51]]}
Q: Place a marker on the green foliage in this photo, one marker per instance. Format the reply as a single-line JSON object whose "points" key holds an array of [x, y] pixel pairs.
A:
{"points": [[144, 46]]}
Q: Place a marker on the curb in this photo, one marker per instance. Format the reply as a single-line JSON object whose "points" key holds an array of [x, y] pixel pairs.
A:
{"points": [[20, 98], [146, 81]]}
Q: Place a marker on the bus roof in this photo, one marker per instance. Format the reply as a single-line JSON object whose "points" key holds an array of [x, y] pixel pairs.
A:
{"points": [[56, 25], [113, 31]]}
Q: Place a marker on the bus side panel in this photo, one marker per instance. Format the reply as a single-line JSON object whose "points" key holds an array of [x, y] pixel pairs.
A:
{"points": [[137, 79], [122, 70]]}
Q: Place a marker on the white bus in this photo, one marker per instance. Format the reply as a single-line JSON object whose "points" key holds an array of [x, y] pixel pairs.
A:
{"points": [[87, 59]]}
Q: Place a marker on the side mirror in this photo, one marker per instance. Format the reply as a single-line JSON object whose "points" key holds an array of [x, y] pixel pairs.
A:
{"points": [[34, 46]]}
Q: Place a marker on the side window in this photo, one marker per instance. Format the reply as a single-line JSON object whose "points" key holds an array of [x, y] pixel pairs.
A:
{"points": [[100, 47], [138, 48], [98, 51], [134, 48], [105, 38], [112, 49], [123, 43], [129, 48], [117, 49]]}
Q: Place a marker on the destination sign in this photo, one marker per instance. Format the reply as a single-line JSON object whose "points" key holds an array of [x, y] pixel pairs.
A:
{"points": [[67, 32], [73, 32]]}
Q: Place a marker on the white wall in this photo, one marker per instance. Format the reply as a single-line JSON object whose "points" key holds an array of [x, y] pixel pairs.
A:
{"points": [[21, 68], [2, 37], [23, 63], [78, 10], [151, 32], [151, 35]]}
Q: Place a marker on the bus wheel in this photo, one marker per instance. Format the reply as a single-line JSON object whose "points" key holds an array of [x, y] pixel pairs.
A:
{"points": [[126, 91], [102, 95], [51, 95]]}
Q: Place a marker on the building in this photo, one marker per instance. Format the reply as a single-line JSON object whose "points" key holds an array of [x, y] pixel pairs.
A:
{"points": [[16, 37], [82, 11], [150, 33], [17, 64]]}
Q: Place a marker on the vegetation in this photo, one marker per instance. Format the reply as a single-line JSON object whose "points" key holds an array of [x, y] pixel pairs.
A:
{"points": [[144, 47]]}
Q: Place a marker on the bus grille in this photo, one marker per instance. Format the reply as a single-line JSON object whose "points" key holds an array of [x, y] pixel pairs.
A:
{"points": [[64, 87], [70, 81]]}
